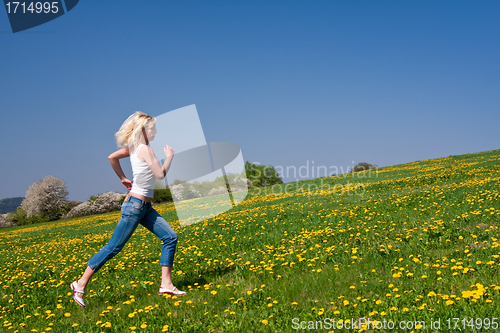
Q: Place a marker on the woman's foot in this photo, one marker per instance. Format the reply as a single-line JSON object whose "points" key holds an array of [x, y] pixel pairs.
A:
{"points": [[78, 293], [171, 290], [167, 285]]}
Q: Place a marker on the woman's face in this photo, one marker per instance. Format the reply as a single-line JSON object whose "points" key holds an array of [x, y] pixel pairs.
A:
{"points": [[151, 131]]}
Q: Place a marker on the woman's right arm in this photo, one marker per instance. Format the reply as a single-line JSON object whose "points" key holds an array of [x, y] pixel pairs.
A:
{"points": [[149, 157], [114, 159]]}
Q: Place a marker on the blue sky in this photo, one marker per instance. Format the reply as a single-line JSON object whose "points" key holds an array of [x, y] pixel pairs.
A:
{"points": [[386, 82]]}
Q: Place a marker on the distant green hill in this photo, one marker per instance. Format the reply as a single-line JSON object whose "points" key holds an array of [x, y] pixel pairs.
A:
{"points": [[10, 204]]}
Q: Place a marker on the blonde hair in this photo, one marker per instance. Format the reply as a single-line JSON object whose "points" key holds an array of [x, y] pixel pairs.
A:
{"points": [[131, 130]]}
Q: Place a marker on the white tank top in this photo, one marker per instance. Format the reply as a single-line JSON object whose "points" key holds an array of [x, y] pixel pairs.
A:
{"points": [[144, 179]]}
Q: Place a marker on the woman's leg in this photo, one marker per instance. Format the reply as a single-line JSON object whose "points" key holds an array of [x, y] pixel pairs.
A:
{"points": [[166, 277], [157, 225], [132, 212], [82, 282]]}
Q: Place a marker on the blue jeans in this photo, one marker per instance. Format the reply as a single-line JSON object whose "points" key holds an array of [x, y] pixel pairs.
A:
{"points": [[135, 211]]}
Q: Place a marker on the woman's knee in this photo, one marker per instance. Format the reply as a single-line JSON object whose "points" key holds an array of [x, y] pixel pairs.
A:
{"points": [[170, 238], [174, 238]]}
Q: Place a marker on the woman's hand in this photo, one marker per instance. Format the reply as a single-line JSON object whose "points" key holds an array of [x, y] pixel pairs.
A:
{"points": [[169, 152], [127, 183]]}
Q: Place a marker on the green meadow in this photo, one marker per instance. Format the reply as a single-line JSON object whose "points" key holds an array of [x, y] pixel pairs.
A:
{"points": [[410, 244]]}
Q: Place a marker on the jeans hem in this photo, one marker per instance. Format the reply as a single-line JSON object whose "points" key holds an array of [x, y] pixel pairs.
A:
{"points": [[92, 268]]}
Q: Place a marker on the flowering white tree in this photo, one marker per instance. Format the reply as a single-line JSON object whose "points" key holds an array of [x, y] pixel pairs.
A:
{"points": [[45, 196], [98, 204], [4, 223], [184, 191]]}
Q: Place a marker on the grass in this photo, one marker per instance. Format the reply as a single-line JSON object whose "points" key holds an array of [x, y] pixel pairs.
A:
{"points": [[416, 242]]}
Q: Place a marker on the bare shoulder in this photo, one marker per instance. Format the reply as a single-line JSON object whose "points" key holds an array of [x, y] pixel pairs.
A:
{"points": [[146, 153]]}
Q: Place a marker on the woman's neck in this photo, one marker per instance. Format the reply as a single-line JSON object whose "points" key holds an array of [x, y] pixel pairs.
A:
{"points": [[137, 144]]}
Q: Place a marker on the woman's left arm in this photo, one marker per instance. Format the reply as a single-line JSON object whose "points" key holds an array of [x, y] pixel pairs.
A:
{"points": [[114, 159]]}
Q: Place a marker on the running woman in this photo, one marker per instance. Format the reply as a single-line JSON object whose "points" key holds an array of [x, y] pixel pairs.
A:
{"points": [[133, 140]]}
